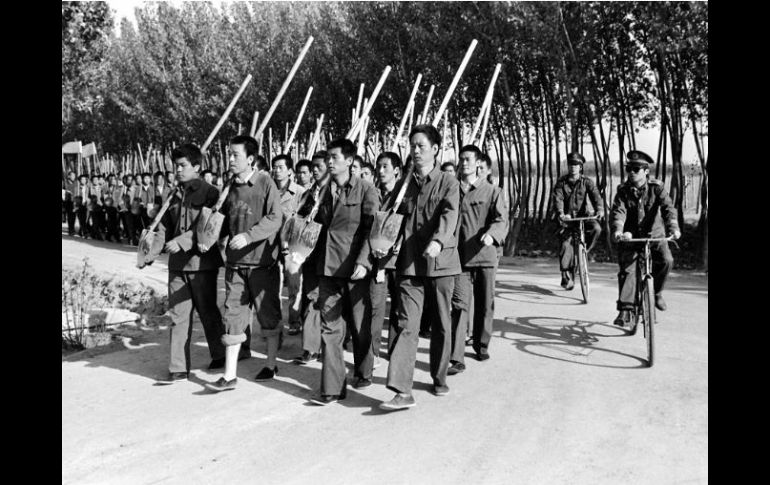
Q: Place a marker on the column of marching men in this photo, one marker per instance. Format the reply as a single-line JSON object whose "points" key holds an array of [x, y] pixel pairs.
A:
{"points": [[440, 270], [447, 249]]}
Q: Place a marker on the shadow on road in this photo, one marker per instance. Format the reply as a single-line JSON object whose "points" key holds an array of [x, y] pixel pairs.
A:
{"points": [[566, 340], [533, 293]]}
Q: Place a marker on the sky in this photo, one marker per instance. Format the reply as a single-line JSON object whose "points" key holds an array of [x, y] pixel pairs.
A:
{"points": [[646, 139]]}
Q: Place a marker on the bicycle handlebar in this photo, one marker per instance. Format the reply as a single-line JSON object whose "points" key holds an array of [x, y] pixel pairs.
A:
{"points": [[576, 219], [647, 239]]}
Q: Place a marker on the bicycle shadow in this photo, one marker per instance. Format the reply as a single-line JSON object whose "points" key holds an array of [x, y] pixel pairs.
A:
{"points": [[572, 343], [533, 294]]}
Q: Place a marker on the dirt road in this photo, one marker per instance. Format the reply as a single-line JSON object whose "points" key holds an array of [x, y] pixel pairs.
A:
{"points": [[564, 399]]}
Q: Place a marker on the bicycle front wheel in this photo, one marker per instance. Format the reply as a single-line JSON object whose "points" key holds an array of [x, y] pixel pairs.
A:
{"points": [[583, 271], [648, 307]]}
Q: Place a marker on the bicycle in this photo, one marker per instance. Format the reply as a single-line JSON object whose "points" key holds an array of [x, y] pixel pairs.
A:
{"points": [[644, 297], [580, 253]]}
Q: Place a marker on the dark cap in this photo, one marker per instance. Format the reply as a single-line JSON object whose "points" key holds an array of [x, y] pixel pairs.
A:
{"points": [[638, 158], [575, 158]]}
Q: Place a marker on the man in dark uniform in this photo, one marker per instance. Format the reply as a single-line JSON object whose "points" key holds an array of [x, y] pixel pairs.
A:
{"points": [[252, 220], [569, 198], [640, 208], [70, 191], [426, 265], [346, 212], [311, 315], [81, 204], [192, 275], [383, 281], [481, 231]]}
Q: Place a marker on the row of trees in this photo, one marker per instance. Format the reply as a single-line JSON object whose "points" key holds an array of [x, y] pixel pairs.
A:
{"points": [[576, 76]]}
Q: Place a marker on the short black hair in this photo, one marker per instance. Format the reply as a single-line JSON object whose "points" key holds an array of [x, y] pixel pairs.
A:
{"points": [[368, 165], [261, 163], [485, 158], [205, 172], [286, 158], [428, 130], [347, 147], [320, 154], [448, 164], [359, 159], [189, 151], [303, 162], [473, 149], [249, 143], [146, 174], [159, 174], [395, 160]]}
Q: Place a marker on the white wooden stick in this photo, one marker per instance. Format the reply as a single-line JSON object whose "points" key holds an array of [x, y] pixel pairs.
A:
{"points": [[486, 103], [452, 86], [353, 131], [254, 124], [299, 117], [424, 116], [226, 114]]}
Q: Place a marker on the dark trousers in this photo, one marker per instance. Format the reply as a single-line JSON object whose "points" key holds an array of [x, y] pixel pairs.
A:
{"points": [[332, 292], [379, 293], [413, 292], [127, 219], [113, 230], [483, 283], [461, 298], [566, 253], [69, 209], [662, 261], [82, 214], [188, 292], [311, 315]]}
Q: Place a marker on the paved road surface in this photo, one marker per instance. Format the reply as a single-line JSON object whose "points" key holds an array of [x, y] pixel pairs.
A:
{"points": [[564, 399]]}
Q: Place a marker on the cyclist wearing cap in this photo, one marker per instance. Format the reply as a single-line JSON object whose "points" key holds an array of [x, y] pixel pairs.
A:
{"points": [[569, 197], [640, 208]]}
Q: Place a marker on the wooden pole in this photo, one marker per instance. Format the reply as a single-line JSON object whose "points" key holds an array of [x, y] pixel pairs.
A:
{"points": [[452, 86], [443, 138], [299, 117], [224, 116], [254, 124], [316, 136], [424, 116], [484, 127], [487, 102], [285, 85], [357, 111], [368, 106]]}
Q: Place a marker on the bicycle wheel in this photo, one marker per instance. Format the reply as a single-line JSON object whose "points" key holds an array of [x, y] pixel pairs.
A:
{"points": [[582, 268], [648, 308]]}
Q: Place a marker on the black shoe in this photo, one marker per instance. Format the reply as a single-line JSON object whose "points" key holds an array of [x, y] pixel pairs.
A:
{"points": [[424, 334], [222, 384], [482, 356], [660, 303], [305, 358], [174, 377], [217, 363], [266, 374], [624, 317], [564, 279], [294, 328], [360, 382], [456, 368]]}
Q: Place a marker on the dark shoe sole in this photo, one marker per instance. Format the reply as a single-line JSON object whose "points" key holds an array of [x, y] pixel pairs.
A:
{"points": [[214, 388]]}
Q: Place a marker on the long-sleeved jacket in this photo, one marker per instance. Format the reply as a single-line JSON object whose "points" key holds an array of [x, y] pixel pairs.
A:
{"points": [[178, 224], [570, 197], [387, 199], [290, 199], [344, 238], [642, 211], [253, 209], [431, 211], [482, 211]]}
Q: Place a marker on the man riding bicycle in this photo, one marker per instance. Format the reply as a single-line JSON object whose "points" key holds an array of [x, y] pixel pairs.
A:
{"points": [[570, 200], [641, 205]]}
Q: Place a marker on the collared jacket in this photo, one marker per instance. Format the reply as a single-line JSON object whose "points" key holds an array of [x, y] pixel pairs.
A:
{"points": [[71, 189], [482, 211], [431, 212], [346, 223], [290, 199], [178, 224], [253, 209], [642, 211], [570, 197], [387, 199]]}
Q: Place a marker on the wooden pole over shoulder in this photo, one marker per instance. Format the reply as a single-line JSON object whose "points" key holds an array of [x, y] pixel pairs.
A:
{"points": [[299, 117], [368, 106], [487, 102], [285, 85], [226, 114], [452, 86], [406, 111]]}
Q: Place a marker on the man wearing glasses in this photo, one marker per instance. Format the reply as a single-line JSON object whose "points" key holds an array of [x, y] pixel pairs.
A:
{"points": [[640, 208]]}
